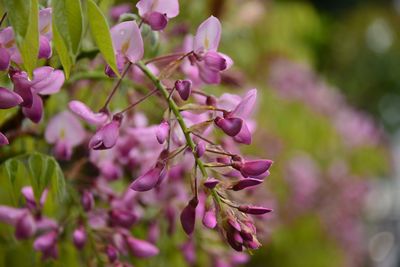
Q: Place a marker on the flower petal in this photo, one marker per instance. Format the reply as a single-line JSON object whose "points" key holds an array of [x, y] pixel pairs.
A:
{"points": [[128, 41], [208, 35]]}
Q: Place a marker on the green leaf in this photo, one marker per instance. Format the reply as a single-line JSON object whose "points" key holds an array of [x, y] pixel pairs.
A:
{"points": [[101, 34], [24, 18], [37, 170], [62, 51], [67, 27]]}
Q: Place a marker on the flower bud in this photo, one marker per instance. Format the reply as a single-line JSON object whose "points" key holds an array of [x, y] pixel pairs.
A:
{"points": [[25, 227], [112, 253], [200, 149], [254, 167], [245, 183], [4, 59], [209, 219], [255, 210], [106, 137], [35, 112], [123, 218], [79, 237], [156, 20], [141, 248], [162, 132], [148, 180], [44, 48], [211, 183], [230, 126], [9, 99], [87, 200], [188, 216], [211, 101], [215, 61], [184, 88]]}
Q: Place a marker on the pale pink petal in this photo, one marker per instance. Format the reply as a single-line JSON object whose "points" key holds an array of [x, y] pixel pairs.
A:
{"points": [[228, 59], [45, 23], [168, 7], [65, 126], [208, 35], [246, 106], [128, 41], [87, 114], [47, 81]]}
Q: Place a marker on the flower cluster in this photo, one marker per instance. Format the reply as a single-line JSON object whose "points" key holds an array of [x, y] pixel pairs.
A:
{"points": [[187, 167]]}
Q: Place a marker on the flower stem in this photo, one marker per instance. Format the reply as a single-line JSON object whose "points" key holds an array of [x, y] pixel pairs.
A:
{"points": [[114, 90], [138, 101], [175, 109]]}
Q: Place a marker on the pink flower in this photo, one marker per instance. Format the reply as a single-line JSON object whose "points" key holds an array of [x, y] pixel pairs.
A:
{"points": [[127, 41], [85, 113], [106, 137], [156, 13], [149, 180], [65, 131], [188, 216], [9, 99], [141, 248]]}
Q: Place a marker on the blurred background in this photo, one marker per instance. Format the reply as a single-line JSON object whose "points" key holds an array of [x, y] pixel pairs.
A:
{"points": [[328, 74]]}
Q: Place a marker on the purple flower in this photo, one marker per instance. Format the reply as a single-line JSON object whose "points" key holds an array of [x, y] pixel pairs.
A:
{"points": [[255, 210], [200, 149], [252, 168], [87, 200], [230, 126], [79, 237], [46, 243], [149, 180], [65, 131], [162, 132], [127, 41], [25, 227], [188, 216], [211, 183], [106, 137], [245, 183], [184, 88], [141, 248], [9, 99], [87, 114], [156, 13], [112, 253], [210, 219]]}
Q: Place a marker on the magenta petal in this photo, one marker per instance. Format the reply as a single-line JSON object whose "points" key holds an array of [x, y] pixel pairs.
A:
{"points": [[255, 167], [200, 148], [244, 136], [147, 181], [246, 105], [162, 132], [209, 75], [184, 88], [9, 99], [3, 140], [157, 21], [86, 113], [22, 86], [123, 218], [79, 237], [245, 183], [44, 48], [209, 219], [29, 196], [255, 210], [188, 216], [141, 248], [35, 112], [112, 253], [25, 227], [45, 242], [215, 61], [10, 215], [87, 200], [231, 126], [4, 59], [106, 137], [211, 183]]}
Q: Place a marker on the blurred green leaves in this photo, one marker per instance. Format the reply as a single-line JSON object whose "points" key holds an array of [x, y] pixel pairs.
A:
{"points": [[24, 18], [67, 27], [35, 169]]}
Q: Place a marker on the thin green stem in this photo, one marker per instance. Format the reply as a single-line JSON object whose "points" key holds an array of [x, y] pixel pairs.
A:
{"points": [[175, 109]]}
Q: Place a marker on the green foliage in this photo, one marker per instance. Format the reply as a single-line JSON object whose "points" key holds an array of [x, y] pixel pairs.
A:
{"points": [[35, 169], [24, 18], [101, 34], [67, 28]]}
